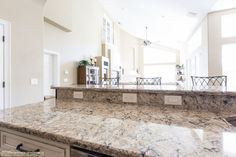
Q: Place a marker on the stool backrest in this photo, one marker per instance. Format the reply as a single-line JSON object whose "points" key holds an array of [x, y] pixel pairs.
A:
{"points": [[148, 81], [110, 81], [209, 81]]}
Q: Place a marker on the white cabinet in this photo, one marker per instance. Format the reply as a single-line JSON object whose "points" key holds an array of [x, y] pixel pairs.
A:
{"points": [[11, 141]]}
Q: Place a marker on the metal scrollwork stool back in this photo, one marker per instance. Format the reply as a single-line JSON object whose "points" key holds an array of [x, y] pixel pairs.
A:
{"points": [[218, 81], [110, 81], [148, 81]]}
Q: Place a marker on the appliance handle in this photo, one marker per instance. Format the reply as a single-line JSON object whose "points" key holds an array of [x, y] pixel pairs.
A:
{"points": [[87, 152]]}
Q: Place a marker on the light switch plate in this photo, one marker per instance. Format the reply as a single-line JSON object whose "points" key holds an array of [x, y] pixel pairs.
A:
{"points": [[34, 81], [173, 100], [129, 97], [65, 80], [66, 72], [78, 95]]}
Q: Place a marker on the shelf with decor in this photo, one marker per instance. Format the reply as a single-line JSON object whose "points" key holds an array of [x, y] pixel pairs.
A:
{"points": [[180, 76], [88, 74]]}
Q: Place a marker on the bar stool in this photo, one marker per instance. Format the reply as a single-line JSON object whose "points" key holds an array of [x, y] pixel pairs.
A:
{"points": [[110, 81], [209, 81], [148, 81]]}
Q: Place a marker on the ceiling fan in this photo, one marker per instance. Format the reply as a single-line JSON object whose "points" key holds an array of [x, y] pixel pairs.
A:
{"points": [[147, 42], [157, 44]]}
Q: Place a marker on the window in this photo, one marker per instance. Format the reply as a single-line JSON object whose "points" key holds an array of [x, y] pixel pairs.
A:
{"points": [[229, 64], [107, 30], [160, 63], [228, 23]]}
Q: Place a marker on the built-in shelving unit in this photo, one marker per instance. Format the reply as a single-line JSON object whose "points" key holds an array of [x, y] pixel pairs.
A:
{"points": [[88, 75], [180, 74]]}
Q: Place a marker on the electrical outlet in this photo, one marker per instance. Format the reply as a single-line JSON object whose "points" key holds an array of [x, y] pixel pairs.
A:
{"points": [[173, 100], [129, 97], [78, 95]]}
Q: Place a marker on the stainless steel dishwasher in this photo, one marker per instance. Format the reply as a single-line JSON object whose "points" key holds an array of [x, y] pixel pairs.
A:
{"points": [[78, 152]]}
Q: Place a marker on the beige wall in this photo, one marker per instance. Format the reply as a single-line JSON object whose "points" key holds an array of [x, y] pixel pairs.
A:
{"points": [[59, 12], [216, 41], [130, 52], [84, 41], [132, 55], [26, 19]]}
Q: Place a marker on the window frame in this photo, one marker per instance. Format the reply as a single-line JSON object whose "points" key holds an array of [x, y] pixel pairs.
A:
{"points": [[107, 30], [161, 63]]}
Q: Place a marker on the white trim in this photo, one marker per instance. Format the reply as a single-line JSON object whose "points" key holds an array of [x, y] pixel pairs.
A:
{"points": [[57, 69], [2, 65], [7, 62]]}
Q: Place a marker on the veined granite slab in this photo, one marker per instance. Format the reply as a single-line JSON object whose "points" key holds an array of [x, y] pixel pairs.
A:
{"points": [[124, 130], [214, 100]]}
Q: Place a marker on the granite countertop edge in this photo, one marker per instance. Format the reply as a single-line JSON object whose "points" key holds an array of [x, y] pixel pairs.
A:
{"points": [[150, 91], [72, 141], [134, 127]]}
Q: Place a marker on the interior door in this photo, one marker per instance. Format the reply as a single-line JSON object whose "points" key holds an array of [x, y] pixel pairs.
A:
{"points": [[48, 75], [1, 67]]}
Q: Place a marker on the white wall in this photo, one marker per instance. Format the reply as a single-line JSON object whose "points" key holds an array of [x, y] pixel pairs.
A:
{"points": [[83, 42], [26, 19], [211, 47], [216, 41], [194, 54]]}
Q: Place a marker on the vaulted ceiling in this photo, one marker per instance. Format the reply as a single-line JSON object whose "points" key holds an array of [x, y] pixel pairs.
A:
{"points": [[169, 21]]}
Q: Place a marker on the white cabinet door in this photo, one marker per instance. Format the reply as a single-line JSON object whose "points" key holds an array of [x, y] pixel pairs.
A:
{"points": [[10, 142], [48, 75], [1, 68]]}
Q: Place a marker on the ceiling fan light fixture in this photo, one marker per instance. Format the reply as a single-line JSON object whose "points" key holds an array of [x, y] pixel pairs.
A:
{"points": [[147, 42]]}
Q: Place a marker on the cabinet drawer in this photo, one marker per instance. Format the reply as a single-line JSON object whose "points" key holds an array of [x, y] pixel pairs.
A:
{"points": [[11, 141]]}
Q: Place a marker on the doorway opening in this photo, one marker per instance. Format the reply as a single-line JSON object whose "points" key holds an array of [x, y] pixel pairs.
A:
{"points": [[51, 73], [5, 99], [2, 60]]}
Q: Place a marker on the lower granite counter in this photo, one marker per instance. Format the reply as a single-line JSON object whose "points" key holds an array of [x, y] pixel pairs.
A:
{"points": [[125, 130]]}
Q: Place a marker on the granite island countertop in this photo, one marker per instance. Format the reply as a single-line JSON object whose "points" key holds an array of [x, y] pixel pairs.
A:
{"points": [[230, 91], [124, 130]]}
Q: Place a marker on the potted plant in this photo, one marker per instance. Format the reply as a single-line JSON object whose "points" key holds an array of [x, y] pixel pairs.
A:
{"points": [[84, 63]]}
